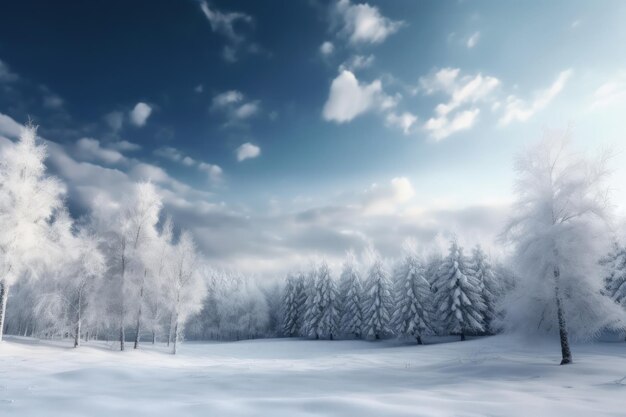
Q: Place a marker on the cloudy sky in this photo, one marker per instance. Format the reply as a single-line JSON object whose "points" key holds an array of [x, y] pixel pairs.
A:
{"points": [[280, 131]]}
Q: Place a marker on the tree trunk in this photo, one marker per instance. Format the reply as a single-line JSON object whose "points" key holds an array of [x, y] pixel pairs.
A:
{"points": [[122, 336], [175, 337], [138, 327], [419, 340], [153, 336], [78, 319], [462, 337], [4, 295], [169, 331], [566, 353]]}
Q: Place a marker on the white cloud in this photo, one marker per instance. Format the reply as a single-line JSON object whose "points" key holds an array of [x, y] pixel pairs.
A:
{"points": [[441, 127], [348, 98], [124, 145], [612, 92], [364, 24], [53, 102], [9, 127], [90, 149], [465, 93], [199, 88], [175, 155], [473, 40], [404, 121], [170, 153], [575, 23], [115, 120], [227, 24], [442, 80], [247, 151], [224, 23], [384, 199], [140, 113], [214, 171], [357, 62], [327, 48], [246, 110], [233, 104], [227, 98], [6, 75], [516, 109]]}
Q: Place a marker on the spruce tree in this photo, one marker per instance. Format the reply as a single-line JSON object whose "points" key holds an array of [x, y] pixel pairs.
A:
{"points": [[412, 315], [459, 295], [291, 308], [351, 321], [311, 309], [481, 270], [326, 302], [615, 281], [377, 302]]}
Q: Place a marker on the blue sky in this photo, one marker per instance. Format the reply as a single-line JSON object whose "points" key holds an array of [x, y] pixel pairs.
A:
{"points": [[279, 131]]}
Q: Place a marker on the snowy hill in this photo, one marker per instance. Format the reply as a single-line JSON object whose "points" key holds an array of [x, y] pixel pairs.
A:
{"points": [[495, 376]]}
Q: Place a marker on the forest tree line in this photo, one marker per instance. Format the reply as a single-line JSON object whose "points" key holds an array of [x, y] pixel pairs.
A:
{"points": [[124, 272]]}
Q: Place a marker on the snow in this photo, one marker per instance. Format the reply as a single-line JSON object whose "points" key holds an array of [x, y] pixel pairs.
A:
{"points": [[492, 376]]}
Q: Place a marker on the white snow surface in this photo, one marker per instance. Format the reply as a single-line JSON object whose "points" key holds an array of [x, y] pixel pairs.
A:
{"points": [[491, 376]]}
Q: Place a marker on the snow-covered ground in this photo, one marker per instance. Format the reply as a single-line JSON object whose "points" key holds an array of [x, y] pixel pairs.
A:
{"points": [[495, 376]]}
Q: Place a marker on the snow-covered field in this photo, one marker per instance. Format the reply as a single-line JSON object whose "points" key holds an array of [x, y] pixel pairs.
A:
{"points": [[496, 376]]}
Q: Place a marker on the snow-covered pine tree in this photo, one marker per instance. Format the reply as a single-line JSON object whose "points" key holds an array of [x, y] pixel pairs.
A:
{"points": [[412, 315], [351, 290], [291, 307], [377, 301], [311, 309], [326, 301], [483, 272], [615, 281], [459, 295]]}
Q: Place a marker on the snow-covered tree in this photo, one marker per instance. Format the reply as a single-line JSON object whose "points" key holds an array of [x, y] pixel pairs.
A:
{"points": [[458, 299], [29, 200], [326, 302], [311, 309], [412, 316], [559, 228], [88, 267], [131, 235], [482, 270], [615, 281], [351, 290], [292, 305], [186, 287], [377, 301]]}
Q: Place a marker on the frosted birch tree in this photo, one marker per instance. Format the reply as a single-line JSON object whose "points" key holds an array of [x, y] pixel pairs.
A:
{"points": [[131, 234], [29, 200], [560, 229], [186, 287]]}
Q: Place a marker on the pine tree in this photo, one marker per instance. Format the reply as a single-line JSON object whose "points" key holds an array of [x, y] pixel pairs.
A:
{"points": [[459, 295], [377, 302], [351, 322], [291, 307], [615, 281], [326, 301], [311, 309], [412, 315], [483, 272]]}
